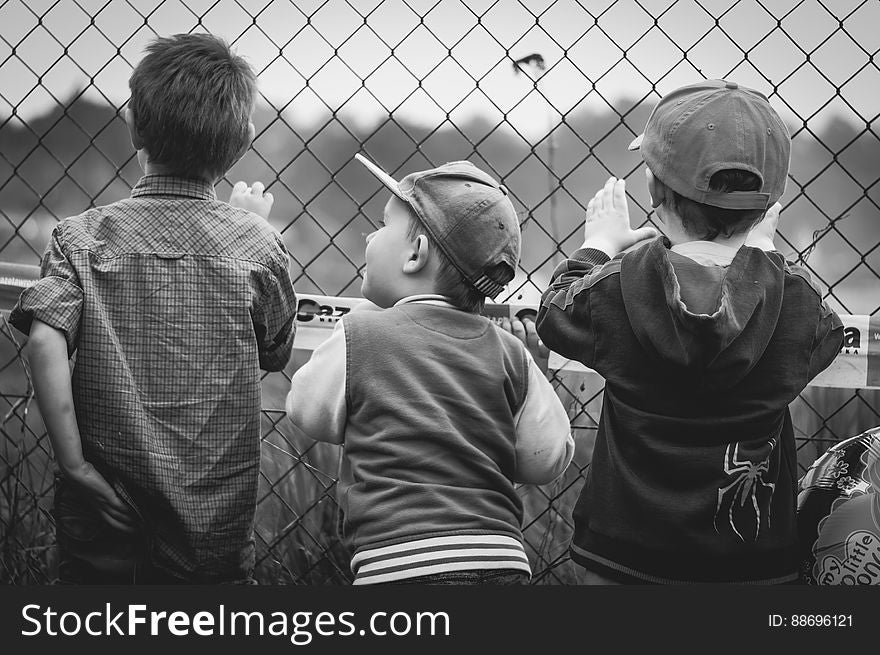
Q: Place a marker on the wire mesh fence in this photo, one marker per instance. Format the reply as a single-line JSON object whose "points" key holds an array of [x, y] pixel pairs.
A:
{"points": [[545, 95]]}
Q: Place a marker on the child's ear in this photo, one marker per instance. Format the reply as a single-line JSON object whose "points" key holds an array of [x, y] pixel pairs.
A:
{"points": [[418, 257], [249, 139], [656, 189], [136, 141]]}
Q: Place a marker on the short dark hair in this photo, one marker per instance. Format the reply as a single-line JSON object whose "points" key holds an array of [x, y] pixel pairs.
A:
{"points": [[450, 282], [707, 222], [191, 100]]}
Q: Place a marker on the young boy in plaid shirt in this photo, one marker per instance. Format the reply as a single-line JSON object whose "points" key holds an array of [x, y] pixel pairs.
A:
{"points": [[172, 302]]}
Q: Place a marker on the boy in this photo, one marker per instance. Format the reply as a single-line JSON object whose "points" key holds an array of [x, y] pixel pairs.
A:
{"points": [[703, 337], [172, 301], [441, 412]]}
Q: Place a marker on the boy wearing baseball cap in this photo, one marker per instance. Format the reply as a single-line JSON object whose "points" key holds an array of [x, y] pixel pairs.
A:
{"points": [[704, 336], [440, 411]]}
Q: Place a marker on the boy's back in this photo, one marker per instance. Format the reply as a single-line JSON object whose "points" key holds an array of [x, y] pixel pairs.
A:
{"points": [[696, 447], [440, 411], [172, 302], [704, 337], [432, 394], [163, 296]]}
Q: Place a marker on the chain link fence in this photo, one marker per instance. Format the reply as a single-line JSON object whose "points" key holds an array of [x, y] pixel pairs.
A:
{"points": [[545, 95]]}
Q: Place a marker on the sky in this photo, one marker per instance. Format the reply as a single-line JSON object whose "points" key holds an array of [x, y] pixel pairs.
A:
{"points": [[429, 60]]}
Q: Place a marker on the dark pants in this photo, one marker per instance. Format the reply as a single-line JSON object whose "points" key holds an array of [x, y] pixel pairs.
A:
{"points": [[92, 552], [475, 577], [89, 550]]}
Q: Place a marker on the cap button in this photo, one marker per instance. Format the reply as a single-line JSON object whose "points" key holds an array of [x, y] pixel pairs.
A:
{"points": [[731, 85]]}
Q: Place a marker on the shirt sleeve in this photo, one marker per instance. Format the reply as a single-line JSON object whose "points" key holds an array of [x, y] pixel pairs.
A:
{"points": [[544, 445], [56, 299], [316, 401], [275, 313]]}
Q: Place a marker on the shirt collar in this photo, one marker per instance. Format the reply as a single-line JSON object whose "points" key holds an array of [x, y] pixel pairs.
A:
{"points": [[426, 298], [167, 185], [707, 253]]}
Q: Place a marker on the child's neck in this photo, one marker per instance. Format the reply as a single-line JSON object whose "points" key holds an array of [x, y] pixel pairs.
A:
{"points": [[416, 289], [677, 235], [151, 168], [734, 242], [405, 288]]}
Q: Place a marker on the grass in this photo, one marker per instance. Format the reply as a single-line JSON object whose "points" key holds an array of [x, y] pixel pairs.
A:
{"points": [[295, 529]]}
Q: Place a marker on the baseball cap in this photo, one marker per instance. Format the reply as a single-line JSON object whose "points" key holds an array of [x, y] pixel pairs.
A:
{"points": [[467, 214], [700, 129]]}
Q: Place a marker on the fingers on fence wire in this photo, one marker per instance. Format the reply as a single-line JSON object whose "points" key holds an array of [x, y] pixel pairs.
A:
{"points": [[523, 328], [252, 198]]}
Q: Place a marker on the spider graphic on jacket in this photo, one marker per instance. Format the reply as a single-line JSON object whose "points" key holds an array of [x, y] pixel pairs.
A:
{"points": [[747, 496]]}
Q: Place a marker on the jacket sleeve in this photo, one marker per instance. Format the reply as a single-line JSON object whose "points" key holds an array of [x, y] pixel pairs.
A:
{"points": [[544, 445], [316, 403], [827, 343], [828, 339], [564, 322]]}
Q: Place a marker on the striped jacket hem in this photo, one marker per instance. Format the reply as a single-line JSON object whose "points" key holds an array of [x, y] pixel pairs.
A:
{"points": [[434, 555]]}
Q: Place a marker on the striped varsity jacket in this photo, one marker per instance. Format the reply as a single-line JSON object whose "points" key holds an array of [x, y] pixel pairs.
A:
{"points": [[441, 413]]}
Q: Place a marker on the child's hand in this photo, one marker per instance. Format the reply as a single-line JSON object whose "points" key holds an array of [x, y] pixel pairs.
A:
{"points": [[252, 198], [98, 492], [607, 226], [524, 330], [761, 236]]}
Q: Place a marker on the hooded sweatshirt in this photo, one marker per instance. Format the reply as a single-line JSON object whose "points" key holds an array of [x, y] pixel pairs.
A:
{"points": [[694, 470]]}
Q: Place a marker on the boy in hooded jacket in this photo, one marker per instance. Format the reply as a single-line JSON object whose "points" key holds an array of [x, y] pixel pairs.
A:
{"points": [[704, 336]]}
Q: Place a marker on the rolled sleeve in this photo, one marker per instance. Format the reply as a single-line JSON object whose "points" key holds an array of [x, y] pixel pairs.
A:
{"points": [[56, 298], [275, 313]]}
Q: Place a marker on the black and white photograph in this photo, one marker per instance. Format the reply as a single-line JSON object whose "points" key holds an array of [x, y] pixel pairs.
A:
{"points": [[324, 320]]}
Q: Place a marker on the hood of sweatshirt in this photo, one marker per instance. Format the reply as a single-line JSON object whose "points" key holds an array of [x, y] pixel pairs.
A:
{"points": [[711, 324]]}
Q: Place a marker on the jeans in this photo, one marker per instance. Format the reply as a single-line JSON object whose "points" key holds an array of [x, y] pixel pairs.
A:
{"points": [[92, 552], [89, 550]]}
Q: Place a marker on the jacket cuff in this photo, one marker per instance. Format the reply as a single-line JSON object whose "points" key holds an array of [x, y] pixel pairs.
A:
{"points": [[590, 256]]}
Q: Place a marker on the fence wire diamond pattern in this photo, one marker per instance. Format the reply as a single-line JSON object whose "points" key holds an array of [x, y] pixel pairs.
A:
{"points": [[545, 95]]}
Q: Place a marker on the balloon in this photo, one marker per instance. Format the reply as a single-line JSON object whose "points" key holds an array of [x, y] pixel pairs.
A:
{"points": [[838, 514]]}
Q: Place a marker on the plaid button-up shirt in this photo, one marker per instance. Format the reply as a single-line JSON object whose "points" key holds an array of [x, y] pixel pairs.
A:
{"points": [[172, 301]]}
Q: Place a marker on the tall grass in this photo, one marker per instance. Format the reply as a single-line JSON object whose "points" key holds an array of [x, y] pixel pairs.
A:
{"points": [[27, 533], [296, 522]]}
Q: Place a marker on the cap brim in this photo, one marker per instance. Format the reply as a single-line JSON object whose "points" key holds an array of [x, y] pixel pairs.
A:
{"points": [[383, 177], [637, 142]]}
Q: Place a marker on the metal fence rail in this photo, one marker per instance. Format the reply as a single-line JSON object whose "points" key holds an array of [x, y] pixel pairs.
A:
{"points": [[544, 94]]}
